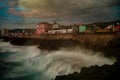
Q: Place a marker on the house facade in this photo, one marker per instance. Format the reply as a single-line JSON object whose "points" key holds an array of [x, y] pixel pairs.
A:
{"points": [[43, 27]]}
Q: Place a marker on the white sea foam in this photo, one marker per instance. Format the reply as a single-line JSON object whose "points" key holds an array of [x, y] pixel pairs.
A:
{"points": [[46, 65]]}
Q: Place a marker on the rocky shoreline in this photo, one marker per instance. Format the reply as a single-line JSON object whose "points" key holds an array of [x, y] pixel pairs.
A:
{"points": [[109, 44], [105, 72]]}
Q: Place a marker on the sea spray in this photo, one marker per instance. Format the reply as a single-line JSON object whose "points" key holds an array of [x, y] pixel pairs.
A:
{"points": [[30, 63]]}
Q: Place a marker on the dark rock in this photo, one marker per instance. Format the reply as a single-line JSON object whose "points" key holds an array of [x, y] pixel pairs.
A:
{"points": [[106, 72]]}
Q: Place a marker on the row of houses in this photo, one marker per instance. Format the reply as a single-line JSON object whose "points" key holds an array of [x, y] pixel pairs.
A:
{"points": [[21, 32], [55, 28], [16, 32], [110, 28], [47, 28]]}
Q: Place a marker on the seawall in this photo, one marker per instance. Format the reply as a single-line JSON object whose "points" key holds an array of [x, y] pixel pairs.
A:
{"points": [[108, 43]]}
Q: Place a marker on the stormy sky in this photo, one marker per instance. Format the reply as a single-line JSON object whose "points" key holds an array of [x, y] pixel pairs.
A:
{"points": [[64, 11]]}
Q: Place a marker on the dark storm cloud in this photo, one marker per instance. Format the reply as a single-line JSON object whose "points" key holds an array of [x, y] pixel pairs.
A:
{"points": [[98, 9], [60, 10]]}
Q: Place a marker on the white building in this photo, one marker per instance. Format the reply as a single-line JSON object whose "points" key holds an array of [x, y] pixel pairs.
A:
{"points": [[57, 30], [55, 25]]}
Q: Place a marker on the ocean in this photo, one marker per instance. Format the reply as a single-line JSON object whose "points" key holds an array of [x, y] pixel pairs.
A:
{"points": [[31, 63]]}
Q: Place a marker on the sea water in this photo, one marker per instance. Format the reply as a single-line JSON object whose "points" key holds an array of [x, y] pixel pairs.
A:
{"points": [[31, 63]]}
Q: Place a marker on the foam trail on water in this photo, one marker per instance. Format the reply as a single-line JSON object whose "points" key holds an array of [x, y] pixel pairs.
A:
{"points": [[45, 65]]}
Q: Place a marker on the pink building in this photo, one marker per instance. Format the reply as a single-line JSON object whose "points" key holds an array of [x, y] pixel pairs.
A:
{"points": [[43, 27]]}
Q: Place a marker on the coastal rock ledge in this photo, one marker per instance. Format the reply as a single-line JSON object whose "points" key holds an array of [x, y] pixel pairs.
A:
{"points": [[108, 43]]}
